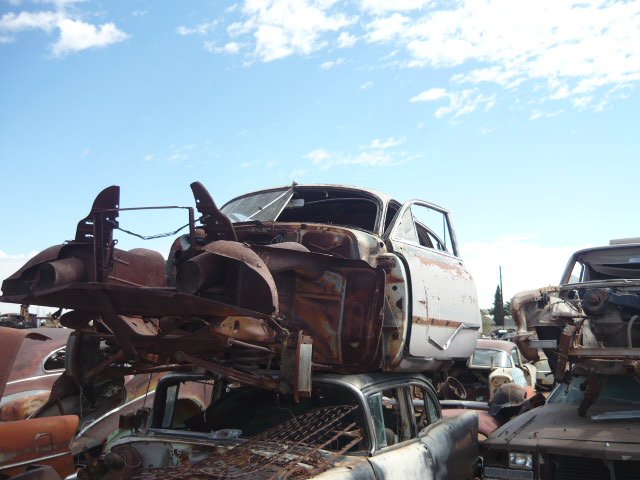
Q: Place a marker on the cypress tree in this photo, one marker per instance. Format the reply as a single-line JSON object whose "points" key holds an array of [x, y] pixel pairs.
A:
{"points": [[498, 308]]}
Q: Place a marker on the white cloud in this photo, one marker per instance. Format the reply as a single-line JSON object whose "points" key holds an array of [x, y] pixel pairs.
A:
{"points": [[75, 34], [346, 40], [297, 173], [324, 159], [582, 102], [540, 114], [281, 28], [460, 103], [558, 50], [202, 29], [231, 48], [187, 155], [428, 95], [388, 143], [366, 85], [318, 156], [331, 64], [61, 4], [382, 6], [12, 23], [249, 164], [526, 264], [578, 46], [386, 29]]}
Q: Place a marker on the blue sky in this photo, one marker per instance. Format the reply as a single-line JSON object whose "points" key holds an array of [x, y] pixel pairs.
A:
{"points": [[519, 116]]}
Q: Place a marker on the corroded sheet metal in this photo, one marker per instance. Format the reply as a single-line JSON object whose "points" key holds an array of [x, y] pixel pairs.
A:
{"points": [[20, 405], [41, 441], [217, 225], [231, 273], [29, 382], [335, 301], [10, 341]]}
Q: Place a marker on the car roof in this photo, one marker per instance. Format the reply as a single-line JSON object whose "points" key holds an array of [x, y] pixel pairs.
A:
{"points": [[33, 351], [580, 254], [503, 345], [11, 340]]}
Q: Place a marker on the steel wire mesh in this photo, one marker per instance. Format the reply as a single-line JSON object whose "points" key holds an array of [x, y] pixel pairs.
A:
{"points": [[289, 450]]}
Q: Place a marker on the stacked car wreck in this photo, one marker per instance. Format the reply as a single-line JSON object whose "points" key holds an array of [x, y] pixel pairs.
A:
{"points": [[589, 329], [266, 293]]}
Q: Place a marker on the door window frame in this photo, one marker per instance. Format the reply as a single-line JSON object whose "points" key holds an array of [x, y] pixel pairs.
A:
{"points": [[393, 230]]}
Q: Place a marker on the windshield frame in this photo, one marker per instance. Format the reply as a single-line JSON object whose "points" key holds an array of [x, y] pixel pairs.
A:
{"points": [[572, 393], [377, 198], [280, 202], [500, 354]]}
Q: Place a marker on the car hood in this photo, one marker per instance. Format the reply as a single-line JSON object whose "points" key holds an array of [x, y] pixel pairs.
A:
{"points": [[10, 341], [561, 422]]}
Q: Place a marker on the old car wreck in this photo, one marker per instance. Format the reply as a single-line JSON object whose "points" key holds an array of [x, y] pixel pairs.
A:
{"points": [[265, 292], [588, 327]]}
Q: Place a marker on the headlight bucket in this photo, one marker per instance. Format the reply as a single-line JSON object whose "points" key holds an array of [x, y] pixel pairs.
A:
{"points": [[521, 460]]}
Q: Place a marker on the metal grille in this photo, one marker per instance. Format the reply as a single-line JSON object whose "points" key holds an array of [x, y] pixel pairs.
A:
{"points": [[289, 450], [626, 470], [583, 468]]}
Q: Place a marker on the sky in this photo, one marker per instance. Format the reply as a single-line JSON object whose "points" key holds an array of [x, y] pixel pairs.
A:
{"points": [[520, 117]]}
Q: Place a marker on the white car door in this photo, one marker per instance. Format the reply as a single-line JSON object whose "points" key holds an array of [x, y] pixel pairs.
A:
{"points": [[445, 316]]}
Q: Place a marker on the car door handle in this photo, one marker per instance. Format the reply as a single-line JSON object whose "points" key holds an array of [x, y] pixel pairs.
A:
{"points": [[463, 326]]}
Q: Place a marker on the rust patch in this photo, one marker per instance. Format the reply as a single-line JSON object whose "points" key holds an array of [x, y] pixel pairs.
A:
{"points": [[436, 322]]}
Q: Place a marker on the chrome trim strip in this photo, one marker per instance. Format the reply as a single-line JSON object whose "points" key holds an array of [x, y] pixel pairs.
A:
{"points": [[38, 376], [34, 460], [92, 423]]}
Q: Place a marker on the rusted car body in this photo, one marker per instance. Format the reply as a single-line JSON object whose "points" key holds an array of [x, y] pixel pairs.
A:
{"points": [[273, 286], [555, 442], [493, 363], [590, 320], [588, 327], [363, 426], [42, 441], [37, 365]]}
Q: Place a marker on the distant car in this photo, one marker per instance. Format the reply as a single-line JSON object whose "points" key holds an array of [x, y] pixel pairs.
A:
{"points": [[493, 363], [365, 426], [509, 336], [555, 442], [15, 320], [37, 365]]}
